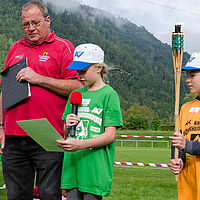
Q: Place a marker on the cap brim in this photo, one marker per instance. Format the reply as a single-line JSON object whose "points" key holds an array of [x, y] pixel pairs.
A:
{"points": [[189, 68], [78, 65]]}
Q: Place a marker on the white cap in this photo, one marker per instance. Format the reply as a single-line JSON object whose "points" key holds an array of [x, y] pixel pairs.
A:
{"points": [[85, 55], [193, 62]]}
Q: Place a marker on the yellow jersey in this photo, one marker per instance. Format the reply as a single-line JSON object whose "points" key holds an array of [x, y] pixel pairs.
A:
{"points": [[189, 177]]}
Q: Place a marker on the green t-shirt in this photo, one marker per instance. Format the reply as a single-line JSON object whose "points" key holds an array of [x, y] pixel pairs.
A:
{"points": [[91, 170]]}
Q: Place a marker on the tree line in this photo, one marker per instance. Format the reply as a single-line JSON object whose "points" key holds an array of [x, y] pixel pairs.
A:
{"points": [[140, 66]]}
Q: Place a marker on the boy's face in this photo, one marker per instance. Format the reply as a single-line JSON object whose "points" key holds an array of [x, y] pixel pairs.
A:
{"points": [[87, 75], [90, 75], [193, 81]]}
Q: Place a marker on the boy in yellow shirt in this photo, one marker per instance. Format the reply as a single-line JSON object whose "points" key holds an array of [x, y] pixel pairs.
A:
{"points": [[187, 140]]}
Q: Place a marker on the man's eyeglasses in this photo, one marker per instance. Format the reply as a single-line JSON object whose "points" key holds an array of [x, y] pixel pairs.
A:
{"points": [[34, 23]]}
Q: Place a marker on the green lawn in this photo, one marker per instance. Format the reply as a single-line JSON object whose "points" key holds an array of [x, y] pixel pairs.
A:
{"points": [[134, 182], [145, 155], [2, 192], [150, 133], [143, 183]]}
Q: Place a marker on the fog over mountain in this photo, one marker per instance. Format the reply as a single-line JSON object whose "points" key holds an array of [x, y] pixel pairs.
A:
{"points": [[157, 16]]}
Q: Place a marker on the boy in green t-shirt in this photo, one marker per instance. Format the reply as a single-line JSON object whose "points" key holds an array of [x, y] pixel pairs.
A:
{"points": [[89, 161]]}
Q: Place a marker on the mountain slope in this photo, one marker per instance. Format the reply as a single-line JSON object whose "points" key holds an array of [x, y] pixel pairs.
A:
{"points": [[141, 68]]}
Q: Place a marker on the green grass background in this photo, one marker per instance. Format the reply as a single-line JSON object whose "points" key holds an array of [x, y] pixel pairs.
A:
{"points": [[134, 182]]}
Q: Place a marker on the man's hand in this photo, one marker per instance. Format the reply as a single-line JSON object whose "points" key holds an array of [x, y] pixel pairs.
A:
{"points": [[60, 86], [176, 166], [29, 75], [178, 140], [2, 138]]}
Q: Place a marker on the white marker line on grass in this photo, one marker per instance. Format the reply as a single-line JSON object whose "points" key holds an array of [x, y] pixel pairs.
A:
{"points": [[138, 149], [142, 167]]}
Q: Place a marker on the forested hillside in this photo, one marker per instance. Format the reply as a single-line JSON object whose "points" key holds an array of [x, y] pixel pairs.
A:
{"points": [[141, 68]]}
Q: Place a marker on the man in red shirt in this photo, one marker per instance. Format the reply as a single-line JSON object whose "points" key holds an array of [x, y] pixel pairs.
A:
{"points": [[48, 56]]}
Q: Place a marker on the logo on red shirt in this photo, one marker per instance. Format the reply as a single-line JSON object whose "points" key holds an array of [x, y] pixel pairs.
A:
{"points": [[44, 57], [19, 56]]}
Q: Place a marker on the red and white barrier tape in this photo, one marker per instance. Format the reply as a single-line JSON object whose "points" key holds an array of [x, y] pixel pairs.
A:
{"points": [[140, 136], [142, 164]]}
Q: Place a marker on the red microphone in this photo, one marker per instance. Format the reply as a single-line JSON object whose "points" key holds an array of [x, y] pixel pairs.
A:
{"points": [[75, 100]]}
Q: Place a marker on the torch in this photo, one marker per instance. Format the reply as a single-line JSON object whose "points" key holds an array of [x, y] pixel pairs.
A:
{"points": [[177, 55]]}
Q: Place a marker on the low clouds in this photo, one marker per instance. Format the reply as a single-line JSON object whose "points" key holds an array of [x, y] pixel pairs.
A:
{"points": [[61, 5], [157, 16]]}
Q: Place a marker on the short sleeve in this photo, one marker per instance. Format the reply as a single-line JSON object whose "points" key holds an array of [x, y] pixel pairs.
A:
{"points": [[67, 58], [113, 116]]}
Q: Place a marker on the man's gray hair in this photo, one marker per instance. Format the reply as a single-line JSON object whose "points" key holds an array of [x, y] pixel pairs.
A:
{"points": [[38, 4]]}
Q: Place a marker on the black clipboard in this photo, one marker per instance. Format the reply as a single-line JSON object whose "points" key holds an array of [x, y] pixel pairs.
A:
{"points": [[14, 91]]}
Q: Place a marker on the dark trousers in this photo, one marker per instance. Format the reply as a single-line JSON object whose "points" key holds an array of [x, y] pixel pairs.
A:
{"points": [[22, 156], [75, 194]]}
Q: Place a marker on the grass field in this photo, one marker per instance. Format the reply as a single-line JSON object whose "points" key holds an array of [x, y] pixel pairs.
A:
{"points": [[132, 132], [138, 183], [132, 182]]}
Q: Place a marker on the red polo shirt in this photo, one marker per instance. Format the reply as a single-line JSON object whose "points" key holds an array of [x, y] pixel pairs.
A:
{"points": [[50, 58]]}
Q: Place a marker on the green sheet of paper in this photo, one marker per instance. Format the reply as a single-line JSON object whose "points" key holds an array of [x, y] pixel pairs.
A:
{"points": [[42, 132]]}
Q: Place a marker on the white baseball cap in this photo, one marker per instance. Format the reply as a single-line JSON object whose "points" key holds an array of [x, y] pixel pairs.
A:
{"points": [[193, 62], [85, 55]]}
